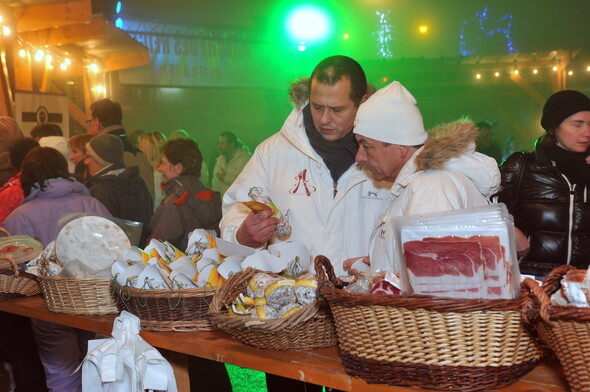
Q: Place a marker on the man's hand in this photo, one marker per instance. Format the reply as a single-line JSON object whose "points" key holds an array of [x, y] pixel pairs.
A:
{"points": [[257, 229], [522, 242], [347, 265]]}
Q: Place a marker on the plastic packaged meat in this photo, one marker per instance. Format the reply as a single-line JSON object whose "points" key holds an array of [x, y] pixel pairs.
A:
{"points": [[468, 253]]}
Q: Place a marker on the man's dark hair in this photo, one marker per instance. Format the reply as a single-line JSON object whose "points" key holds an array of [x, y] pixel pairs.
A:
{"points": [[231, 138], [108, 112], [42, 164], [484, 124], [185, 151], [43, 130], [332, 69], [19, 149]]}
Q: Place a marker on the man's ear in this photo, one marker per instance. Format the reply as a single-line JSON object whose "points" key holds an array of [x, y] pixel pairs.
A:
{"points": [[404, 151], [364, 98]]}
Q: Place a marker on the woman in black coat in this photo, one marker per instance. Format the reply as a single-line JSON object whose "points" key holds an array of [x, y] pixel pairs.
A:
{"points": [[548, 190]]}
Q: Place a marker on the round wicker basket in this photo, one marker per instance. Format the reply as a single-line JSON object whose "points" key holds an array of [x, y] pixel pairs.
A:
{"points": [[429, 342], [565, 330], [309, 328]]}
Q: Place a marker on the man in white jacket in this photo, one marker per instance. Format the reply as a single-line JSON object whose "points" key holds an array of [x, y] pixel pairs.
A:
{"points": [[308, 171], [232, 158], [436, 173]]}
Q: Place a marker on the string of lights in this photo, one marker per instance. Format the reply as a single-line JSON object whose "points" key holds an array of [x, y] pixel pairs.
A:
{"points": [[384, 35], [533, 72], [482, 29], [50, 55]]}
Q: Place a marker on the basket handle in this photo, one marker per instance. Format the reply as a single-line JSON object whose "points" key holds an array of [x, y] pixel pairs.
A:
{"points": [[12, 263], [542, 296], [4, 231], [552, 281], [323, 267]]}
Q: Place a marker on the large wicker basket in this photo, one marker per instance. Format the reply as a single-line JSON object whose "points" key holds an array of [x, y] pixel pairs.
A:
{"points": [[15, 283], [184, 310], [565, 330], [71, 295], [429, 342], [309, 328]]}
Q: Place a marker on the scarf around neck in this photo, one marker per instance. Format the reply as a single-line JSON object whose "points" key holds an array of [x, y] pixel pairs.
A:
{"points": [[338, 155]]}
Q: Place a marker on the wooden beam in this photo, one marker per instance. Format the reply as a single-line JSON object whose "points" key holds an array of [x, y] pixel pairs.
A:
{"points": [[45, 16], [6, 99], [77, 114], [559, 77], [530, 90], [23, 72], [87, 93], [66, 34], [126, 60]]}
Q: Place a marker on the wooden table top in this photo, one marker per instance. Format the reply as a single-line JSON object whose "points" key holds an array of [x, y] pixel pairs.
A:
{"points": [[322, 366]]}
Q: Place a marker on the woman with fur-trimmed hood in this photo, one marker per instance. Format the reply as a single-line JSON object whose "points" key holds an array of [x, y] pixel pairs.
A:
{"points": [[435, 173]]}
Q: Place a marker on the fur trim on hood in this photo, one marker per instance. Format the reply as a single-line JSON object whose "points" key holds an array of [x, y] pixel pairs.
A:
{"points": [[446, 142], [299, 92]]}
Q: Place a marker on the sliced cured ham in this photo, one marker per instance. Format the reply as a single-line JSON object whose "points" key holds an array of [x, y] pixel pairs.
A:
{"points": [[446, 266], [497, 270]]}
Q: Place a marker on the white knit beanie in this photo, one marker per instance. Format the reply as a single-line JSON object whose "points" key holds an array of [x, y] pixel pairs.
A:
{"points": [[391, 116]]}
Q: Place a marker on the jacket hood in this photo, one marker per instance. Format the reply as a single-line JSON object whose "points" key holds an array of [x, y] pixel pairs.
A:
{"points": [[188, 182], [124, 180], [57, 188], [452, 147]]}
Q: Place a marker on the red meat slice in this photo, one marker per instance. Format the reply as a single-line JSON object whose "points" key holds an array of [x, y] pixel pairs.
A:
{"points": [[455, 267], [497, 270]]}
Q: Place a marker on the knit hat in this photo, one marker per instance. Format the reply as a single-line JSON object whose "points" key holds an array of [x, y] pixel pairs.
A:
{"points": [[561, 105], [391, 116], [105, 149], [60, 143]]}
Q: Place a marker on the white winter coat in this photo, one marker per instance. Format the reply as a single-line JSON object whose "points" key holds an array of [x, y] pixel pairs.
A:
{"points": [[232, 169], [298, 181], [464, 181]]}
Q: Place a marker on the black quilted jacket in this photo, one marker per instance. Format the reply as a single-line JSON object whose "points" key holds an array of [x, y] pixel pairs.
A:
{"points": [[551, 211]]}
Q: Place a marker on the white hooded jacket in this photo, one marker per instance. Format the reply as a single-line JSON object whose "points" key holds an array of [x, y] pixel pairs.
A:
{"points": [[445, 174], [298, 181]]}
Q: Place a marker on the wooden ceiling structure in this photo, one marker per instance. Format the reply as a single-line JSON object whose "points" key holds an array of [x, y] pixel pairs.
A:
{"points": [[66, 30]]}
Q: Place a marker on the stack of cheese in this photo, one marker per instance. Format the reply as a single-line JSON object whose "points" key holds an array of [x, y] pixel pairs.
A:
{"points": [[269, 296]]}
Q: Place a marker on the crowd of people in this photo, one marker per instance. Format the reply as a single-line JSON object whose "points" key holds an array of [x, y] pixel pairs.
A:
{"points": [[346, 163]]}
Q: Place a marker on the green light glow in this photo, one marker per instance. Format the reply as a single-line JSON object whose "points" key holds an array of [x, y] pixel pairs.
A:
{"points": [[308, 23]]}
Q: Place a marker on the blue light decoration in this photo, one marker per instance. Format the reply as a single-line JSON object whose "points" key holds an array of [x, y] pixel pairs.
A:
{"points": [[384, 35], [119, 20], [480, 28]]}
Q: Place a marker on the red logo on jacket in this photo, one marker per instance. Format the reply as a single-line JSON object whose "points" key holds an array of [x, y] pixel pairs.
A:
{"points": [[302, 183]]}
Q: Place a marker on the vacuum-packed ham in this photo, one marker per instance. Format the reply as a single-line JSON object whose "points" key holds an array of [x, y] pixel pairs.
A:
{"points": [[497, 270], [446, 266], [458, 267]]}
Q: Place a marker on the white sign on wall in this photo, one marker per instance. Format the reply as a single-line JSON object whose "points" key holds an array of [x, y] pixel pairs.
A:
{"points": [[33, 109]]}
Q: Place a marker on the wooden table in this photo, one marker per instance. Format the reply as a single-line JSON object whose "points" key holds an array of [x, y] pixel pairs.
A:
{"points": [[322, 366]]}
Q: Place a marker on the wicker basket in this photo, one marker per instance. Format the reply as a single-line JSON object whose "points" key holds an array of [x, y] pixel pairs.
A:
{"points": [[184, 310], [565, 330], [15, 283], [77, 295], [309, 328], [429, 342]]}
